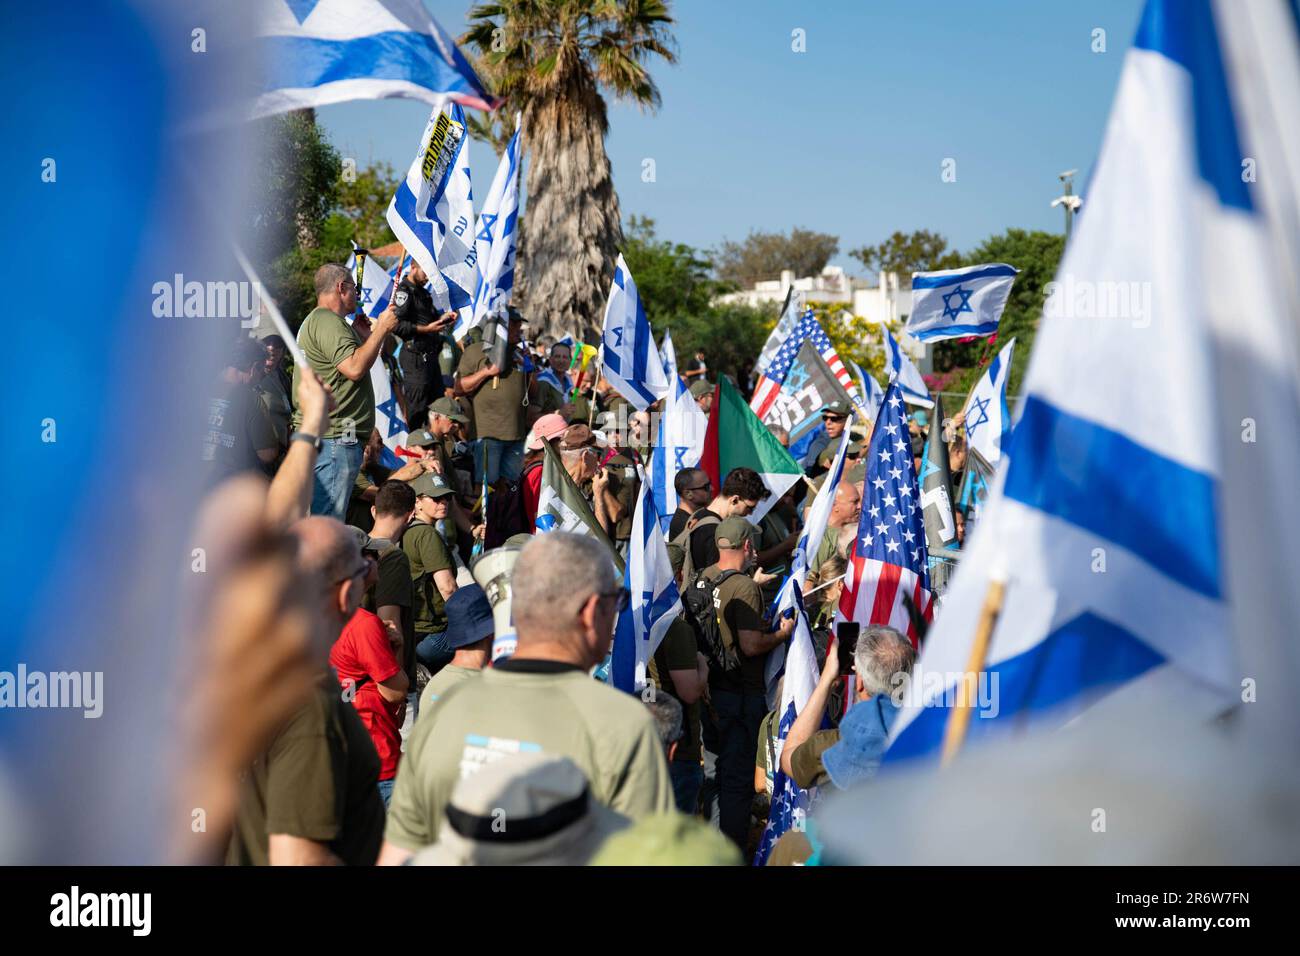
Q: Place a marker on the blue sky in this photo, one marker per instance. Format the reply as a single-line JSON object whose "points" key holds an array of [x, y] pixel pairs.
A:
{"points": [[849, 136]]}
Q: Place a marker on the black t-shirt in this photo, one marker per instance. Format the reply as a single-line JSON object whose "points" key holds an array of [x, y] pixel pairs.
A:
{"points": [[678, 523], [237, 427], [704, 550], [395, 587]]}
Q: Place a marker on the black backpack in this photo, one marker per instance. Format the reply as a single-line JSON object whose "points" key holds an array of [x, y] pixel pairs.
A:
{"points": [[700, 601]]}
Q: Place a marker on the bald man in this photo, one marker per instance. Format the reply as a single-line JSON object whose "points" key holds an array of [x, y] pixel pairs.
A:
{"points": [[312, 798], [842, 524]]}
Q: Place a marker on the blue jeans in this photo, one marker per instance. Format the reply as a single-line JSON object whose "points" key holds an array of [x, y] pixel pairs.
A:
{"points": [[432, 651], [730, 751], [386, 790], [501, 459], [337, 467], [686, 778]]}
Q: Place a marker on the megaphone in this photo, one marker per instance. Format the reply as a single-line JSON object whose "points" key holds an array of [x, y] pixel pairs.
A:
{"points": [[492, 571]]}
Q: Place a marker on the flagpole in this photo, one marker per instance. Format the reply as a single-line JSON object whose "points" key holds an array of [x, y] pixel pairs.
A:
{"points": [[595, 393], [282, 327], [954, 733]]}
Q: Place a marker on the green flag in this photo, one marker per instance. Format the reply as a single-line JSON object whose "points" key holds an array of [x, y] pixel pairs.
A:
{"points": [[562, 507]]}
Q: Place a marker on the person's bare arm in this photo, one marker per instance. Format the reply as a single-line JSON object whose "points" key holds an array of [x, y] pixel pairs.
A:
{"points": [[393, 855], [600, 499], [760, 779], [446, 581], [810, 718], [357, 365], [286, 850], [756, 643], [289, 497], [688, 685], [469, 384], [413, 469], [395, 688]]}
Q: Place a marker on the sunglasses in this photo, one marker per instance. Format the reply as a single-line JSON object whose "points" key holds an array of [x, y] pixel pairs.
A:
{"points": [[704, 487], [834, 418], [622, 598]]}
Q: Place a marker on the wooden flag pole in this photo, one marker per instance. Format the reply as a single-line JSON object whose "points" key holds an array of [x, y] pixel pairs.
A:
{"points": [[954, 733], [595, 394]]}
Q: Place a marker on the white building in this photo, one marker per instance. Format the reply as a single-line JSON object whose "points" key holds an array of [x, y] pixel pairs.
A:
{"points": [[887, 302]]}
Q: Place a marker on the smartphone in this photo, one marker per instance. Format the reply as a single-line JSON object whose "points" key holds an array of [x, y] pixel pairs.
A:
{"points": [[846, 642]]}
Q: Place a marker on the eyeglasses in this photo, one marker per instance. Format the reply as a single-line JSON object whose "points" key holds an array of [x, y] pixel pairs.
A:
{"points": [[704, 487], [363, 569], [833, 418], [622, 598]]}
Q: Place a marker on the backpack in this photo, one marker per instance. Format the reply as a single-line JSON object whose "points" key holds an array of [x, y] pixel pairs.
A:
{"points": [[505, 514], [700, 600], [683, 543]]}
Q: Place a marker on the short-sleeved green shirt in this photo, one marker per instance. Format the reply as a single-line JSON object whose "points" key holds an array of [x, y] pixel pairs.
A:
{"points": [[528, 706], [428, 553], [318, 780], [499, 412], [624, 485], [740, 608], [327, 340], [441, 682], [676, 652], [806, 767]]}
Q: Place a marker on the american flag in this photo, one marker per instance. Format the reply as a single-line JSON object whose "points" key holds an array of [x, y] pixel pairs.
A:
{"points": [[770, 382], [888, 559]]}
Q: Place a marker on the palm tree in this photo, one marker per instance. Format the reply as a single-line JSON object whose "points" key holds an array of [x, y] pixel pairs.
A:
{"points": [[552, 60]]}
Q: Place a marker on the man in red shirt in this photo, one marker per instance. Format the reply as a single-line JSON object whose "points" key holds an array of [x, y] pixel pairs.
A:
{"points": [[369, 671], [544, 429]]}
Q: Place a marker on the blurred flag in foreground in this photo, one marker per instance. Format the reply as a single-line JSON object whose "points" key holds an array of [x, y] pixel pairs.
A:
{"points": [[317, 52], [1105, 529]]}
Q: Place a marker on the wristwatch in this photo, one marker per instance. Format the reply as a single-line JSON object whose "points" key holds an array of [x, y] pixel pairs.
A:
{"points": [[312, 440]]}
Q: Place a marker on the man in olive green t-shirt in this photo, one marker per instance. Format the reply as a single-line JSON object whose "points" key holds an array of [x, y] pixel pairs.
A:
{"points": [[433, 572], [342, 361], [499, 396], [565, 599]]}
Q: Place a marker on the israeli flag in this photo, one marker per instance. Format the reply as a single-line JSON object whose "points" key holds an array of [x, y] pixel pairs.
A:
{"points": [[632, 363], [374, 283], [954, 303], [988, 420], [432, 212], [872, 394], [680, 442], [495, 240], [1125, 482], [654, 599], [790, 803], [903, 371], [389, 421], [317, 52]]}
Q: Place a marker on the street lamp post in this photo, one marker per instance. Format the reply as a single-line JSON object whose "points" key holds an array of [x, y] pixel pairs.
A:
{"points": [[1068, 200]]}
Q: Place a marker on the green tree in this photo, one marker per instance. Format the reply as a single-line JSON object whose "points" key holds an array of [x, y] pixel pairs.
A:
{"points": [[763, 255], [363, 201], [1036, 255], [555, 61], [298, 184], [920, 251]]}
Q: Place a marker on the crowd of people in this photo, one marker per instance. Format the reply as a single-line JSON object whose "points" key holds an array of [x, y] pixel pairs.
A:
{"points": [[410, 743]]}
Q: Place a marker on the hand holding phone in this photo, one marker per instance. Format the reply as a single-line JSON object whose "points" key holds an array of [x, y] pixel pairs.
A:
{"points": [[846, 643]]}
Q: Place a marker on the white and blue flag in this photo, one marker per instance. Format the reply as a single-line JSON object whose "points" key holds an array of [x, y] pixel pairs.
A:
{"points": [[680, 441], [799, 658], [631, 361], [870, 390], [432, 212], [988, 420], [901, 369], [389, 420], [496, 239], [955, 303], [375, 285], [317, 52], [1126, 484], [653, 597]]}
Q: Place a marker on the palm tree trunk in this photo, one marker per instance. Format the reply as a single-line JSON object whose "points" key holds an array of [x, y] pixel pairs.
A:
{"points": [[572, 229]]}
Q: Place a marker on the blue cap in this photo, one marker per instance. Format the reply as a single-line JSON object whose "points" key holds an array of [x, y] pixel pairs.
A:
{"points": [[469, 617]]}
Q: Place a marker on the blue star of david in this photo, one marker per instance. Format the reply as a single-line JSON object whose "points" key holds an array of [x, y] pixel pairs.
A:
{"points": [[949, 311], [365, 296], [486, 222], [301, 8], [980, 415], [395, 424]]}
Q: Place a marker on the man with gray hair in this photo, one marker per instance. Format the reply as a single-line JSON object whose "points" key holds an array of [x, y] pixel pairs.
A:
{"points": [[342, 361], [565, 599], [851, 752]]}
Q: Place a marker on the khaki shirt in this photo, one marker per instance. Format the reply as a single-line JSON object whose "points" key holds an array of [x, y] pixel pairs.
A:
{"points": [[499, 412], [441, 682], [528, 706], [326, 339]]}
